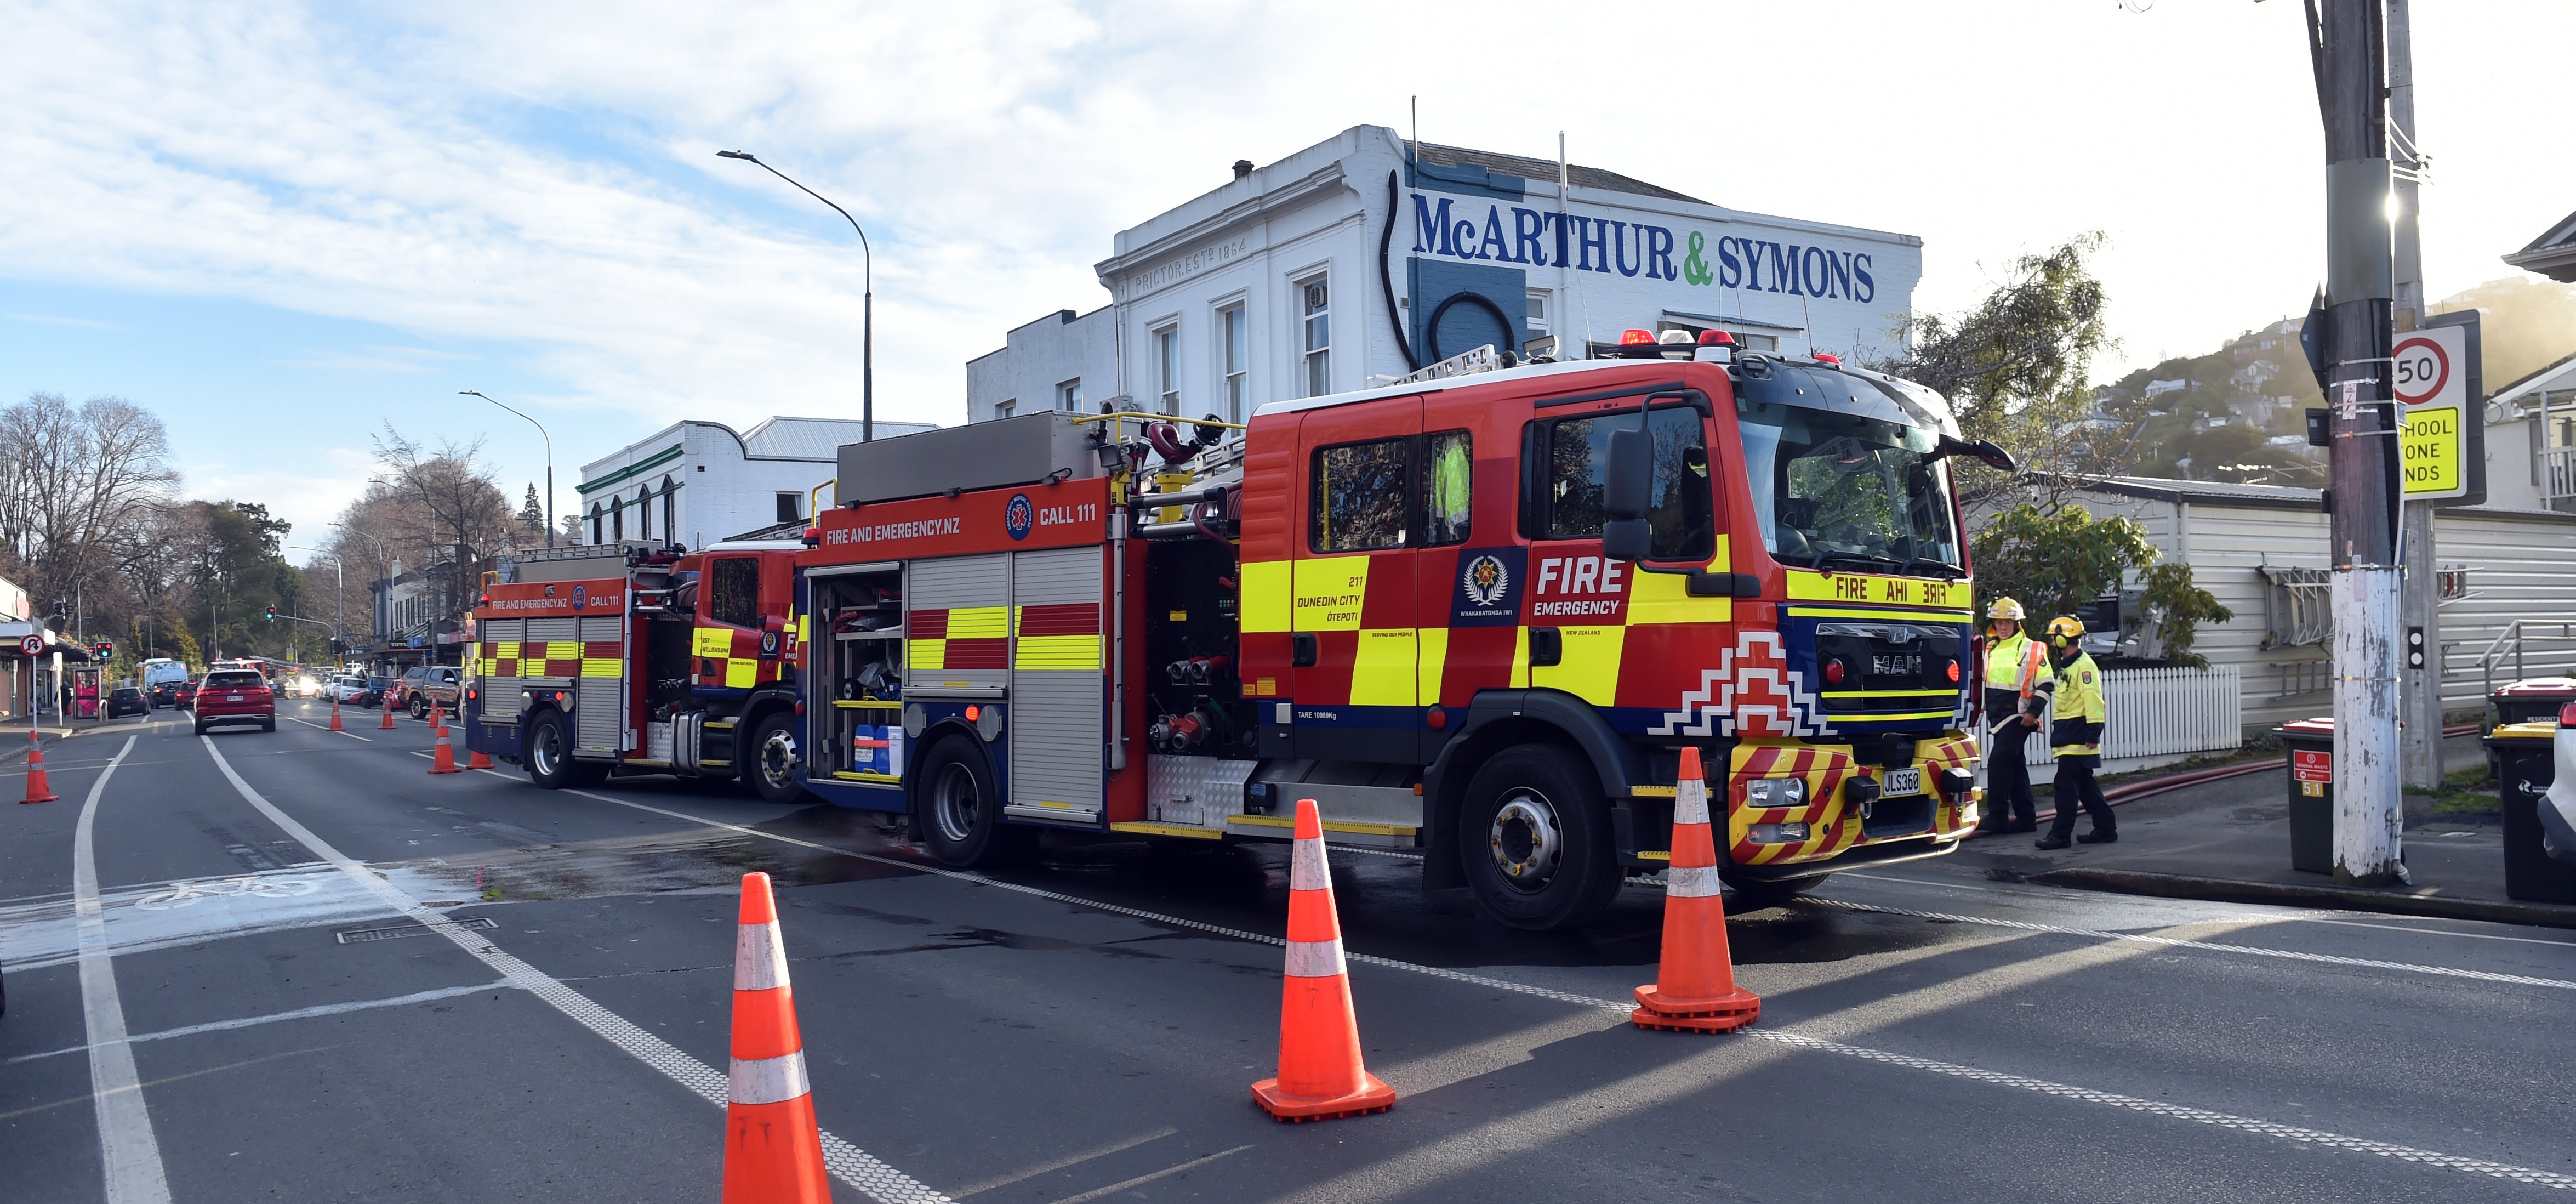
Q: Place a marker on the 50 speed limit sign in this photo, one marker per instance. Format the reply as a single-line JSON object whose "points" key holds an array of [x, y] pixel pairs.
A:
{"points": [[2431, 381]]}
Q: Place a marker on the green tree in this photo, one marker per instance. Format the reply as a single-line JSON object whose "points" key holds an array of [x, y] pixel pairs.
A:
{"points": [[2057, 560], [2018, 367], [532, 514], [241, 571]]}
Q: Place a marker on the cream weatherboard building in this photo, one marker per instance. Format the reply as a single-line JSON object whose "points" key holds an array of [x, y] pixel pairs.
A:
{"points": [[1356, 260], [692, 483]]}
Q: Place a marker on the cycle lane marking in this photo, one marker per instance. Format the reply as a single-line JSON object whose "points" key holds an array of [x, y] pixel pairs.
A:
{"points": [[2313, 1137], [847, 1162], [129, 1151]]}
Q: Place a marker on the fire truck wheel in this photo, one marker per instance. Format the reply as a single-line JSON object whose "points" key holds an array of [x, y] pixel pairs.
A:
{"points": [[549, 754], [961, 808], [1535, 838], [772, 769]]}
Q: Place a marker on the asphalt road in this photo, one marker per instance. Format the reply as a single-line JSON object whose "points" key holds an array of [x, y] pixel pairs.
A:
{"points": [[248, 1014]]}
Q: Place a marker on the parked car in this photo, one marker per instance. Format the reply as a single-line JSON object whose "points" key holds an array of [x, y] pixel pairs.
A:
{"points": [[187, 696], [236, 696], [435, 685], [353, 690], [381, 690], [127, 700]]}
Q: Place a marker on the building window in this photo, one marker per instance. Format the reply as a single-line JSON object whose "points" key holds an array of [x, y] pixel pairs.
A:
{"points": [[594, 523], [1238, 359], [1315, 298], [1167, 368], [1007, 405], [1537, 320], [787, 506], [616, 520], [1358, 496], [670, 511], [734, 595], [1068, 396], [644, 514]]}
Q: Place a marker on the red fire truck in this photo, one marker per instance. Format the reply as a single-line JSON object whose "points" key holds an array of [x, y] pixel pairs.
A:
{"points": [[1472, 615], [636, 657]]}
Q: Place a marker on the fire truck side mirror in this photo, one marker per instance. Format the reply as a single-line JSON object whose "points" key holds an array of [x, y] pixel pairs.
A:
{"points": [[1628, 487], [1627, 493]]}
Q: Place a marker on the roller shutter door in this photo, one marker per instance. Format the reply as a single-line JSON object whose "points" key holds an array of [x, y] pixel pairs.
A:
{"points": [[1057, 702]]}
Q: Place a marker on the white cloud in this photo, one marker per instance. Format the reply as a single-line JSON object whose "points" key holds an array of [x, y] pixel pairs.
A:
{"points": [[309, 499], [544, 174]]}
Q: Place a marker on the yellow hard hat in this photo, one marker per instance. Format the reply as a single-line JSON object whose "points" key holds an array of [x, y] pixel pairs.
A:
{"points": [[2005, 608], [2064, 630]]}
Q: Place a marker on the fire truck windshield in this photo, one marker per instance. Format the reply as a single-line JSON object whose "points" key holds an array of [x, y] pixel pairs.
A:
{"points": [[1838, 489]]}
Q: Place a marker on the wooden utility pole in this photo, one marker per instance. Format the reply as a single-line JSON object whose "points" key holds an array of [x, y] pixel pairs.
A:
{"points": [[2348, 43], [2420, 600]]}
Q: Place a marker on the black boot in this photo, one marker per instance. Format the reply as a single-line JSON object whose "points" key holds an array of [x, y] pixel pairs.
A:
{"points": [[2050, 841], [2097, 836]]}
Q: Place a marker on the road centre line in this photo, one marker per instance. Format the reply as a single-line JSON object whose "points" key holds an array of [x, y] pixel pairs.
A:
{"points": [[849, 1163], [2170, 942], [2305, 1136], [1058, 1164], [319, 1010], [326, 727], [129, 1152]]}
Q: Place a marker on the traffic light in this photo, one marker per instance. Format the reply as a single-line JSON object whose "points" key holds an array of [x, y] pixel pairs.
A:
{"points": [[272, 614], [105, 649]]}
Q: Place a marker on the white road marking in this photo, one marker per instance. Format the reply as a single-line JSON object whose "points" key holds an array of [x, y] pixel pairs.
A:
{"points": [[129, 1152], [1115, 1188], [2306, 1136], [327, 1009], [849, 1163], [2283, 915], [1061, 1163], [2369, 963], [327, 727]]}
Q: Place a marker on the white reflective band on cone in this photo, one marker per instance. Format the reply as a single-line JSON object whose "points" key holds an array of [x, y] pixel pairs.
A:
{"points": [[1690, 803], [759, 958], [1315, 959], [1690, 882], [768, 1080], [1306, 869]]}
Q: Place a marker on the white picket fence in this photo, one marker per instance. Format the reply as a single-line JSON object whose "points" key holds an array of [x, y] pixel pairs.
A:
{"points": [[2159, 716]]}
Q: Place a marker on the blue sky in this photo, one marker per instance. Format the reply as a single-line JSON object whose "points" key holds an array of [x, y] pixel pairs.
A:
{"points": [[282, 227]]}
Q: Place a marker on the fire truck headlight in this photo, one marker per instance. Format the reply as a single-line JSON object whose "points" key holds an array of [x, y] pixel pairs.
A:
{"points": [[1776, 792], [1779, 833]]}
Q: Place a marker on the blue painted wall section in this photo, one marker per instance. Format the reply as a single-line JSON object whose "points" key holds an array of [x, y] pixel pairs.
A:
{"points": [[1466, 325]]}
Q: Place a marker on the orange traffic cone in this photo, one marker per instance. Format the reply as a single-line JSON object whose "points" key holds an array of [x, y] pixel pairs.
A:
{"points": [[476, 758], [335, 716], [388, 724], [1694, 987], [1320, 1076], [438, 719], [773, 1149], [443, 758], [38, 789]]}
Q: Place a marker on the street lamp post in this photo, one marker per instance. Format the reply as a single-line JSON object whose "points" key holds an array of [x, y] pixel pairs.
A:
{"points": [[384, 567], [867, 300], [550, 459]]}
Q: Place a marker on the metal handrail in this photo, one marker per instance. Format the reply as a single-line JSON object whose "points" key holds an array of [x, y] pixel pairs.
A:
{"points": [[2495, 649]]}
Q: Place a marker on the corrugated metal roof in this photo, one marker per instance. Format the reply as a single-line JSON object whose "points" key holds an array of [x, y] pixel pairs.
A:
{"points": [[2167, 489], [815, 438], [1543, 169]]}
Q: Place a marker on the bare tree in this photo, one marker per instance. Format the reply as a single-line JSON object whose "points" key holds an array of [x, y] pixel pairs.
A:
{"points": [[442, 504], [75, 481]]}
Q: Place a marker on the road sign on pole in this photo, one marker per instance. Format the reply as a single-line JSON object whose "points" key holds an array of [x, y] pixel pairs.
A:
{"points": [[32, 645], [2432, 382]]}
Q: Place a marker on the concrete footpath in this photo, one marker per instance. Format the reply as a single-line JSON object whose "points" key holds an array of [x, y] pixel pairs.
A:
{"points": [[2229, 841]]}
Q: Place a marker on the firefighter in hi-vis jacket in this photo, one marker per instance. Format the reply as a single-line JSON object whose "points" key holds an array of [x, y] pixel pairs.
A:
{"points": [[2075, 733], [2017, 687]]}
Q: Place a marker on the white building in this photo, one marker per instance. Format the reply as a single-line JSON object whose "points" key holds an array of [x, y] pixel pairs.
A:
{"points": [[697, 482], [1346, 263], [2531, 440]]}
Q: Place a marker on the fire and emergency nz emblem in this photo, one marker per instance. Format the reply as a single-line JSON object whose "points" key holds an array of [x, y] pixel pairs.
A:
{"points": [[1019, 516], [1486, 581]]}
